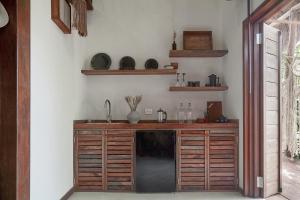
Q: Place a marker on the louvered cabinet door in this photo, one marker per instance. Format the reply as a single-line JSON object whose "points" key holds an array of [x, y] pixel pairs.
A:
{"points": [[120, 151], [88, 160], [222, 163], [191, 161]]}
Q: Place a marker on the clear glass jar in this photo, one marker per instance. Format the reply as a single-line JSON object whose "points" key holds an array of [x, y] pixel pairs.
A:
{"points": [[181, 114], [189, 113]]}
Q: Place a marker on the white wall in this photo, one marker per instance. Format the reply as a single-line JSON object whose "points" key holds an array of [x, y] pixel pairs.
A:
{"points": [[139, 28], [56, 86], [144, 29], [255, 4], [233, 15]]}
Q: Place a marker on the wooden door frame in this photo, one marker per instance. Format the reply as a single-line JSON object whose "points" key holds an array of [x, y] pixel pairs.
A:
{"points": [[15, 102], [23, 100], [253, 94]]}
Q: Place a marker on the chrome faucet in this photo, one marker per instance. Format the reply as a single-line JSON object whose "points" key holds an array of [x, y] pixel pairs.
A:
{"points": [[107, 106]]}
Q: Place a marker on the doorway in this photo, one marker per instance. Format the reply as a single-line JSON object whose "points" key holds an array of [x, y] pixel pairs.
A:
{"points": [[15, 101], [271, 103], [287, 24], [281, 62]]}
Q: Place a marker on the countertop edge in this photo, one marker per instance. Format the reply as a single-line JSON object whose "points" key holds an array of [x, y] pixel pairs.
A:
{"points": [[151, 125]]}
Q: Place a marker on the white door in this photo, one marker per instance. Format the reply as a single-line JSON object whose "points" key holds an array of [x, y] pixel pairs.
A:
{"points": [[271, 111]]}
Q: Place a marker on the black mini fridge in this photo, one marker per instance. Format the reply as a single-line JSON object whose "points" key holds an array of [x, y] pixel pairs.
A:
{"points": [[155, 161]]}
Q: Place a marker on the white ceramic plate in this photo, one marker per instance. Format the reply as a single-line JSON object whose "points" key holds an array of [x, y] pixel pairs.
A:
{"points": [[3, 16]]}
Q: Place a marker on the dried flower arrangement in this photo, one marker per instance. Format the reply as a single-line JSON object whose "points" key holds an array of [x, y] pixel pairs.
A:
{"points": [[133, 101]]}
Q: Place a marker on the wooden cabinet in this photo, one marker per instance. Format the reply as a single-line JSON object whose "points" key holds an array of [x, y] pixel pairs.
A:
{"points": [[104, 160], [88, 162], [191, 161], [223, 162], [207, 161], [120, 160]]}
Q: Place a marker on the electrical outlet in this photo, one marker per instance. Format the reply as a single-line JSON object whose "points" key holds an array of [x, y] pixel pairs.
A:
{"points": [[148, 111]]}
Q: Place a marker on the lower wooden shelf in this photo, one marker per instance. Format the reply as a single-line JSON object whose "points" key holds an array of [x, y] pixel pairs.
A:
{"points": [[90, 72], [198, 89]]}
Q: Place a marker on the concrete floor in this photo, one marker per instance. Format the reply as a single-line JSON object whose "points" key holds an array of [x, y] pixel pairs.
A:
{"points": [[290, 178], [170, 196]]}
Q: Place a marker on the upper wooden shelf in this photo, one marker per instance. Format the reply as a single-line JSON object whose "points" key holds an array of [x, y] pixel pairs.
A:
{"points": [[90, 72], [198, 53], [198, 89]]}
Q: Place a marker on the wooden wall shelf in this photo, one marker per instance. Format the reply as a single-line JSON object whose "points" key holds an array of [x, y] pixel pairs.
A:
{"points": [[198, 89], [91, 72], [198, 53]]}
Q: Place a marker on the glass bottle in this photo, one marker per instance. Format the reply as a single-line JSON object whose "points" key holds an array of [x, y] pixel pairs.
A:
{"points": [[181, 114], [189, 113], [174, 45], [178, 81], [183, 83]]}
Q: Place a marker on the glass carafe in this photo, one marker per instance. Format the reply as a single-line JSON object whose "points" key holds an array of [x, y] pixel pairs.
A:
{"points": [[189, 113], [181, 114]]}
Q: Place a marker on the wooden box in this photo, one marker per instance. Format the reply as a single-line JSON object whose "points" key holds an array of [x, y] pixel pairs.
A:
{"points": [[214, 110], [197, 40]]}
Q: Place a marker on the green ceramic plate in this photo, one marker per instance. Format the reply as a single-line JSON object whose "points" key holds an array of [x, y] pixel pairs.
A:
{"points": [[101, 61]]}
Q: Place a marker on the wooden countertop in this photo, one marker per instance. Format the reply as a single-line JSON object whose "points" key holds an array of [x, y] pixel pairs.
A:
{"points": [[152, 125]]}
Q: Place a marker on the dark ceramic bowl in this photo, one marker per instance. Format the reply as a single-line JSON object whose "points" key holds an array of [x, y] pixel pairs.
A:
{"points": [[151, 64], [127, 63]]}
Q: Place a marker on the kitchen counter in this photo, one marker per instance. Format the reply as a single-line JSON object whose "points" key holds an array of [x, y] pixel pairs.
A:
{"points": [[109, 156], [152, 125]]}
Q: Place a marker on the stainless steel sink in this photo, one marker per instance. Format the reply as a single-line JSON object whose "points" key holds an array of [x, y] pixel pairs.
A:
{"points": [[123, 122], [105, 122]]}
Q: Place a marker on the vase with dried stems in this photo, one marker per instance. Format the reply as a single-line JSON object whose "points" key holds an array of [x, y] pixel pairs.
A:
{"points": [[134, 116]]}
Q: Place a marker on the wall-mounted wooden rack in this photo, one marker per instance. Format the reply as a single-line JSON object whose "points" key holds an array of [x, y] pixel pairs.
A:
{"points": [[91, 72], [89, 4], [198, 53], [198, 89]]}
